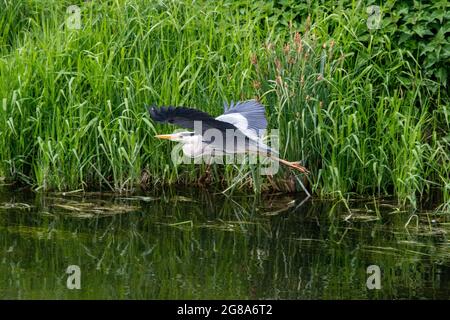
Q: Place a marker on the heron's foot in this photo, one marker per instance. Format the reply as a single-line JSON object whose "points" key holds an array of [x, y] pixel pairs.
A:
{"points": [[297, 166], [293, 165]]}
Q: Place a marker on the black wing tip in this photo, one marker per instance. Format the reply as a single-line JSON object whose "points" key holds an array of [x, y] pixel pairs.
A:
{"points": [[166, 113], [152, 110]]}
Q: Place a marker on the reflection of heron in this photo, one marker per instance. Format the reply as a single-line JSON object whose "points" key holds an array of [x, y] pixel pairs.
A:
{"points": [[243, 122]]}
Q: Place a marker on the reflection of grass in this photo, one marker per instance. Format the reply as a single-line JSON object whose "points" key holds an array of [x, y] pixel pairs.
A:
{"points": [[344, 99], [218, 247], [15, 205], [86, 210]]}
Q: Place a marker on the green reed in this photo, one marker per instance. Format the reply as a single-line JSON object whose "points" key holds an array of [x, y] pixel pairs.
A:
{"points": [[347, 103]]}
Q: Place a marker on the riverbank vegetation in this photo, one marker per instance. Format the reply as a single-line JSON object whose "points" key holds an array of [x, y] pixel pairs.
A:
{"points": [[363, 102]]}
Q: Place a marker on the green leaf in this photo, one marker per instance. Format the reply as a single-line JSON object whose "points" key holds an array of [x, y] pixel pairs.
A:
{"points": [[421, 31]]}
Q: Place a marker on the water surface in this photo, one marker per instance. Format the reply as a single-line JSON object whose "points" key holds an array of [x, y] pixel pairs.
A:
{"points": [[174, 245]]}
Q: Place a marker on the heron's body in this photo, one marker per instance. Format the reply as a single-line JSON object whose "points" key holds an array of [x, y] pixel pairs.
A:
{"points": [[239, 130]]}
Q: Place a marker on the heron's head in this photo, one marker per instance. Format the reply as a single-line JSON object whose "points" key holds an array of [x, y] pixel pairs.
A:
{"points": [[184, 137]]}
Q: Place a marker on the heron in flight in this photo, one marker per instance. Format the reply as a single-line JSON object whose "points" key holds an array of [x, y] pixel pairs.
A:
{"points": [[245, 122]]}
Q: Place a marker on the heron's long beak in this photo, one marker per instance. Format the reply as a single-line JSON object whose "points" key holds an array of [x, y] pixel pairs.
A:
{"points": [[165, 136]]}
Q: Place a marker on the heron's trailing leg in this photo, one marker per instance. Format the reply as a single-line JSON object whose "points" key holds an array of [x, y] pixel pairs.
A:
{"points": [[293, 165]]}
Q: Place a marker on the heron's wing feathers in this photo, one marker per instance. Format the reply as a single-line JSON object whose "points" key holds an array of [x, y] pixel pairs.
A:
{"points": [[186, 117], [248, 116]]}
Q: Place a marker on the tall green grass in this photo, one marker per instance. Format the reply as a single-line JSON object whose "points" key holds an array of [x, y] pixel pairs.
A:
{"points": [[356, 110], [347, 102]]}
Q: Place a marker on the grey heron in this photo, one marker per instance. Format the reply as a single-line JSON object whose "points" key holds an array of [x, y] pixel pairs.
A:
{"points": [[243, 122]]}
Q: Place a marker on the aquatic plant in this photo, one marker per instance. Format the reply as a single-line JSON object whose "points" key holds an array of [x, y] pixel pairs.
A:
{"points": [[348, 100]]}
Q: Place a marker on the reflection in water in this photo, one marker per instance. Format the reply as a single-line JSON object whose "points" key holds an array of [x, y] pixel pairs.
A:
{"points": [[177, 245]]}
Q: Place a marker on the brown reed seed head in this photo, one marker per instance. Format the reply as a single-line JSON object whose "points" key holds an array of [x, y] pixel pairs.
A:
{"points": [[278, 80], [287, 48], [298, 42], [278, 64], [300, 48], [256, 84], [254, 59], [297, 39]]}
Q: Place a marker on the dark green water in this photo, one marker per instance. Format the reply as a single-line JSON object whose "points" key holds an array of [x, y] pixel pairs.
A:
{"points": [[174, 245]]}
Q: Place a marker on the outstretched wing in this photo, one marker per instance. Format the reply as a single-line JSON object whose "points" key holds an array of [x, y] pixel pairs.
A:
{"points": [[186, 117], [248, 116]]}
